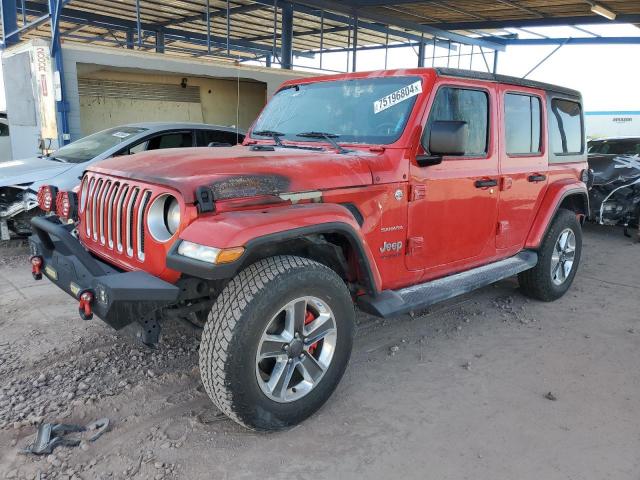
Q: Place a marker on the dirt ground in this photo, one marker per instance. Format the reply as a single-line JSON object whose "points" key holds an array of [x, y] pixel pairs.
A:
{"points": [[457, 392]]}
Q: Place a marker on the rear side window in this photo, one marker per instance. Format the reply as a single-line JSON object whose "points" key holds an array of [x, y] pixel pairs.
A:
{"points": [[565, 127], [471, 106], [522, 124]]}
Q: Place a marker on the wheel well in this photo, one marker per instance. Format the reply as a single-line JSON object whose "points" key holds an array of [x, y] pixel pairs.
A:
{"points": [[334, 250], [576, 202]]}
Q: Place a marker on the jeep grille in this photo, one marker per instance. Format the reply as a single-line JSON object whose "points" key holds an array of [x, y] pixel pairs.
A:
{"points": [[113, 214]]}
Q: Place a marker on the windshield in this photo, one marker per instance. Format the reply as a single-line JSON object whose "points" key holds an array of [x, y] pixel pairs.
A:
{"points": [[615, 147], [367, 110], [90, 147]]}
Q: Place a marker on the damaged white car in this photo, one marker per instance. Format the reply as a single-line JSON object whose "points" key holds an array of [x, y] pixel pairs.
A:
{"points": [[63, 168]]}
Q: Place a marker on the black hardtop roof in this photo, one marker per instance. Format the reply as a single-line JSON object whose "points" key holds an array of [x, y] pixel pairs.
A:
{"points": [[492, 77]]}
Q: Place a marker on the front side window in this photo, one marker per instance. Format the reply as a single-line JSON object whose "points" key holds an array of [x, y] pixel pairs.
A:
{"points": [[206, 137], [366, 110], [522, 124], [471, 106], [90, 147], [565, 127], [171, 140]]}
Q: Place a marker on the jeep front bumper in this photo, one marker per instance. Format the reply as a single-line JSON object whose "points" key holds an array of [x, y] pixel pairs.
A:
{"points": [[119, 298]]}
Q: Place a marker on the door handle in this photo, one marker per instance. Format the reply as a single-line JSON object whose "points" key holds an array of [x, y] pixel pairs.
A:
{"points": [[492, 182], [536, 177]]}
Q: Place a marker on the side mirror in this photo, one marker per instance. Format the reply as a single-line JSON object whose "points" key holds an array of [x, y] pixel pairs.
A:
{"points": [[447, 137]]}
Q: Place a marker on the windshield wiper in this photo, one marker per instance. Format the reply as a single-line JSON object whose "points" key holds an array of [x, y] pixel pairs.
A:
{"points": [[276, 138], [270, 133], [329, 137]]}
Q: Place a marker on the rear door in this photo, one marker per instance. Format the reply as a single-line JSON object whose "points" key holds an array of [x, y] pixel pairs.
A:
{"points": [[453, 205], [523, 165]]}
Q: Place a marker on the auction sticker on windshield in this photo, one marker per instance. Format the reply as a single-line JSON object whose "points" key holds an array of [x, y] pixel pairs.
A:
{"points": [[398, 96], [121, 134]]}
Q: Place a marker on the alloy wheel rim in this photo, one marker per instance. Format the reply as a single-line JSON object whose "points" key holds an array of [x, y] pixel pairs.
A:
{"points": [[563, 256], [296, 349]]}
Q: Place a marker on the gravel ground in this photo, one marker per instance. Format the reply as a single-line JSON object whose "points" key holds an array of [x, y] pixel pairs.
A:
{"points": [[486, 386]]}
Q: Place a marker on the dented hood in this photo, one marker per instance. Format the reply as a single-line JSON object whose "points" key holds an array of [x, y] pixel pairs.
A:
{"points": [[614, 169], [240, 171]]}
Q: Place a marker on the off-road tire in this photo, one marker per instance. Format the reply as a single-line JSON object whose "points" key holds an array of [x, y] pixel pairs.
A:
{"points": [[239, 316], [536, 282]]}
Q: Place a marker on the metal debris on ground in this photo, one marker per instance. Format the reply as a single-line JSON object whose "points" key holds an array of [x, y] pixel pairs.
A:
{"points": [[551, 396], [52, 435]]}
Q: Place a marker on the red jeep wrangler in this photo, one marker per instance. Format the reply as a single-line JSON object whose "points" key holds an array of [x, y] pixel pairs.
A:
{"points": [[393, 190]]}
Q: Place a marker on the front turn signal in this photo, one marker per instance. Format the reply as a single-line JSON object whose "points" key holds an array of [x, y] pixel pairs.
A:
{"points": [[229, 255]]}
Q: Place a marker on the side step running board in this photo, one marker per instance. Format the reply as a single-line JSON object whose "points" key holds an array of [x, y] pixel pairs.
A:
{"points": [[396, 302]]}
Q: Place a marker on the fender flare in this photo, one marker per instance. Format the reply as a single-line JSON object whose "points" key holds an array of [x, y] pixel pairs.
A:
{"points": [[556, 194], [255, 229]]}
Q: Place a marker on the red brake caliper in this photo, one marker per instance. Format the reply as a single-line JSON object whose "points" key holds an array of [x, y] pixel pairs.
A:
{"points": [[307, 320]]}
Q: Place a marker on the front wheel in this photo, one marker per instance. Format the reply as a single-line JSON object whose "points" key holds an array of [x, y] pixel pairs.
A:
{"points": [[558, 259], [277, 342]]}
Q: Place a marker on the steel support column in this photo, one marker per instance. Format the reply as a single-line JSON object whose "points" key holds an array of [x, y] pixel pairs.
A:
{"points": [[355, 43], [160, 41], [286, 60], [138, 26], [130, 39], [421, 53], [62, 106], [10, 22], [495, 62]]}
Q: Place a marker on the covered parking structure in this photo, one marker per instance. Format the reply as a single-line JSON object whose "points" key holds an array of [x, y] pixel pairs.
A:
{"points": [[296, 34]]}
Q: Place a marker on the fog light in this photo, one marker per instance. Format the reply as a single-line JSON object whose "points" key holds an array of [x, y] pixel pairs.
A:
{"points": [[101, 295], [67, 205], [47, 198]]}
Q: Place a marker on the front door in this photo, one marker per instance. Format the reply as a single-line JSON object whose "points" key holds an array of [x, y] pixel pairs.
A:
{"points": [[453, 205]]}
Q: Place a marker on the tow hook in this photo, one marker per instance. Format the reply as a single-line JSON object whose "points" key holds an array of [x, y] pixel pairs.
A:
{"points": [[36, 267], [84, 308]]}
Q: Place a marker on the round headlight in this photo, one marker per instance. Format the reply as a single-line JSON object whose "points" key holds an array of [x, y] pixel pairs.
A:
{"points": [[172, 217], [163, 219]]}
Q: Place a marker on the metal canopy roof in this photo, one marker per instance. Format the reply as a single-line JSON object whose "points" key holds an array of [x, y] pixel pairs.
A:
{"points": [[250, 29]]}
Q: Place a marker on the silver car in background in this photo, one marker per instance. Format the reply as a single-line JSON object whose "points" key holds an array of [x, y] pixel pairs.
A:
{"points": [[63, 168]]}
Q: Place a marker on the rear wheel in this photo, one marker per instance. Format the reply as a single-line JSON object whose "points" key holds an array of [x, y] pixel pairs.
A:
{"points": [[277, 342], [558, 259]]}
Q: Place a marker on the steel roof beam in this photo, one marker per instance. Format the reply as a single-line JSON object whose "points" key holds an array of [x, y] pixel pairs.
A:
{"points": [[304, 33], [514, 4], [219, 12], [380, 23], [398, 22], [539, 22], [441, 44], [72, 15], [10, 33], [575, 41]]}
